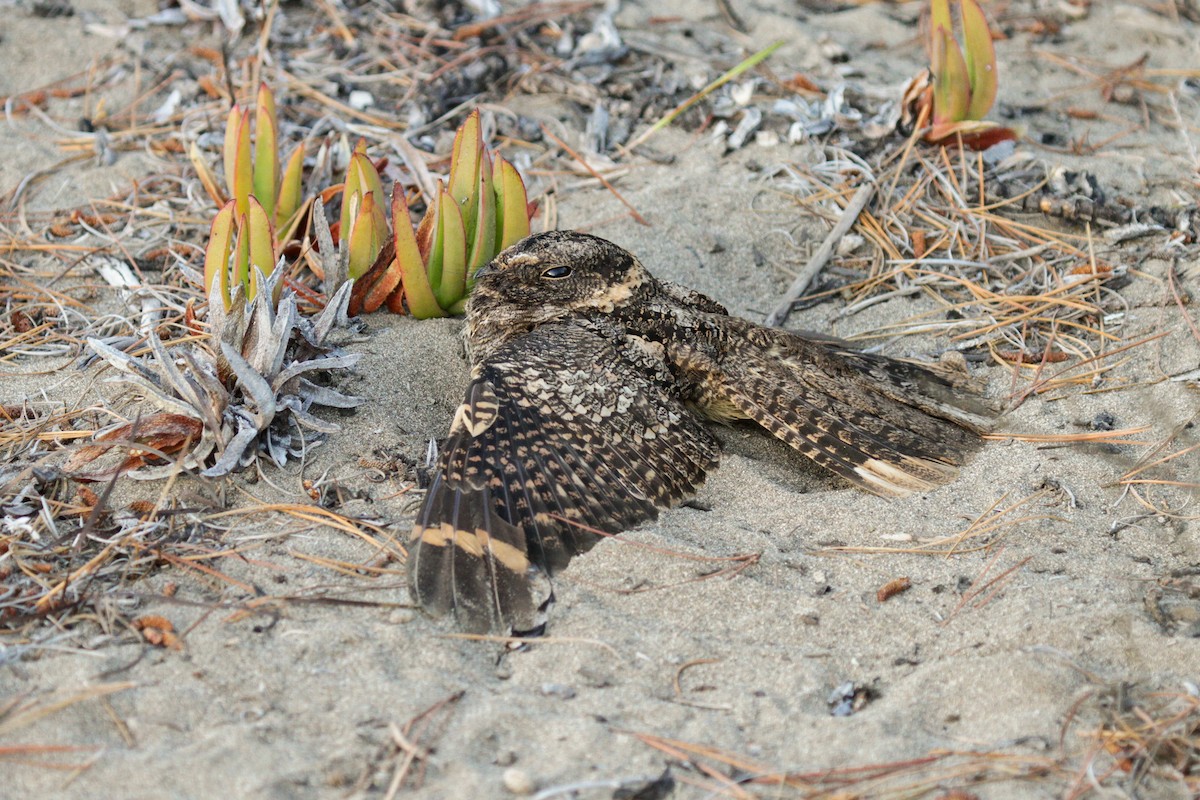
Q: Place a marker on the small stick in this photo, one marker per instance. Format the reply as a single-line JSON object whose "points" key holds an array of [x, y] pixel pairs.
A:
{"points": [[823, 254], [633, 212], [749, 63]]}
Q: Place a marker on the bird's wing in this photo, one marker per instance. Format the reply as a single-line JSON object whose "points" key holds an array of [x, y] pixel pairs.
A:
{"points": [[891, 427], [561, 430]]}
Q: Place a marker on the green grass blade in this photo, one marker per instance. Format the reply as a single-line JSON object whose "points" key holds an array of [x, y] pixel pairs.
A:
{"points": [[749, 63]]}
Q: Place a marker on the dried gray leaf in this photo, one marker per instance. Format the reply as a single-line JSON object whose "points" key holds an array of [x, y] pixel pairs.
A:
{"points": [[751, 119], [332, 316], [253, 384], [328, 362], [249, 395], [335, 267], [316, 423], [315, 395], [136, 373], [216, 309], [231, 456]]}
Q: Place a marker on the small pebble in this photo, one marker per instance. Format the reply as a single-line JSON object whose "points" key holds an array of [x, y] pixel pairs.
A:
{"points": [[558, 690], [849, 243], [766, 138], [518, 781], [360, 100]]}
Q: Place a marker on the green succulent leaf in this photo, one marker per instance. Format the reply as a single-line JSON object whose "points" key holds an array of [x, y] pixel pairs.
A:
{"points": [[266, 150], [483, 249], [241, 257], [417, 291], [379, 221], [452, 284], [352, 192], [951, 87], [368, 176], [216, 253], [229, 149], [243, 168], [939, 17], [261, 244], [980, 57], [366, 236], [465, 163], [512, 207], [290, 190]]}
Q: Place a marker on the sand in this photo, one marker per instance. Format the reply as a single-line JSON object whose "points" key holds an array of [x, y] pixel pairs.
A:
{"points": [[300, 700]]}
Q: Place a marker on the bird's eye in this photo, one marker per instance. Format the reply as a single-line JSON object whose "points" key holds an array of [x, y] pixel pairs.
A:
{"points": [[557, 272]]}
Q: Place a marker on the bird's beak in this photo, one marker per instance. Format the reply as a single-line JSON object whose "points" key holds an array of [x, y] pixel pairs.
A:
{"points": [[487, 269]]}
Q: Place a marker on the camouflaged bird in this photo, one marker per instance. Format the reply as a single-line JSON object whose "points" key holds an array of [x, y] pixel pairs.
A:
{"points": [[590, 386]]}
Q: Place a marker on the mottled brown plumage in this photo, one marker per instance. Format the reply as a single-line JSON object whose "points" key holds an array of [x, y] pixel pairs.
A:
{"points": [[589, 389]]}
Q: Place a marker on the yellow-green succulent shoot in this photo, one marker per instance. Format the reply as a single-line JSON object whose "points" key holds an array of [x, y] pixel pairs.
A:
{"points": [[483, 210], [964, 77], [363, 225], [252, 166], [240, 245]]}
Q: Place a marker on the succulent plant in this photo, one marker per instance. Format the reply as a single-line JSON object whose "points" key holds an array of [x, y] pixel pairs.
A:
{"points": [[240, 247], [263, 209], [252, 390], [431, 269], [427, 271], [251, 165], [363, 224], [960, 86], [249, 391]]}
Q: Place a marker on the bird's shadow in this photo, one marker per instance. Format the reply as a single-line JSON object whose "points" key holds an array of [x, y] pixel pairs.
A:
{"points": [[775, 460]]}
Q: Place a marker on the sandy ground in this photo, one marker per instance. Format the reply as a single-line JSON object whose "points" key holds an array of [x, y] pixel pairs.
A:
{"points": [[299, 700]]}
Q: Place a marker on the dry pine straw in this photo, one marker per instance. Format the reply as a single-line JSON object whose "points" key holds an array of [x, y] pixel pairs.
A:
{"points": [[1026, 295], [1115, 736]]}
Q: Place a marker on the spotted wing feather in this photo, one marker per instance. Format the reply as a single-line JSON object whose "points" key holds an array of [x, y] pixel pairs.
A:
{"points": [[892, 427], [562, 429]]}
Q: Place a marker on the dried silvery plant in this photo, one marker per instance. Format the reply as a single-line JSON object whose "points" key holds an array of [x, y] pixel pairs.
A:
{"points": [[251, 387], [250, 391]]}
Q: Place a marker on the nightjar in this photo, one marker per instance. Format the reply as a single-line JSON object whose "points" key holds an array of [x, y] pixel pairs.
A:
{"points": [[591, 385]]}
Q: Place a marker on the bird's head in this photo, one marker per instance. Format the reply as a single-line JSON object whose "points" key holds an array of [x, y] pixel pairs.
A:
{"points": [[551, 275]]}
